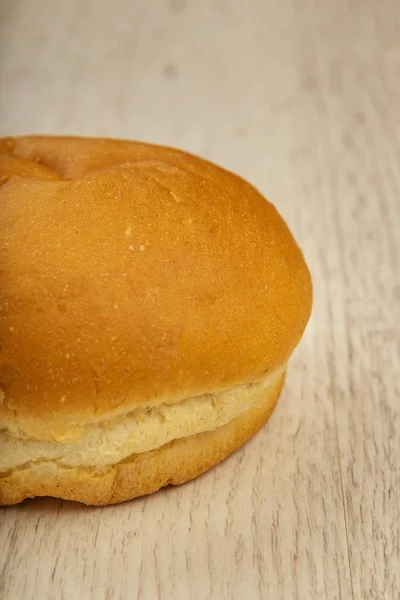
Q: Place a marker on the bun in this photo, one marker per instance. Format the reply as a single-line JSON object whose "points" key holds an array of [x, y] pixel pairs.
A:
{"points": [[149, 303]]}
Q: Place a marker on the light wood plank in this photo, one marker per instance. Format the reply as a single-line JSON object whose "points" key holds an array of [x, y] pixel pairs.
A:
{"points": [[302, 98]]}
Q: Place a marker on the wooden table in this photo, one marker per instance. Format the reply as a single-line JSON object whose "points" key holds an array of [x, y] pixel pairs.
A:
{"points": [[303, 99]]}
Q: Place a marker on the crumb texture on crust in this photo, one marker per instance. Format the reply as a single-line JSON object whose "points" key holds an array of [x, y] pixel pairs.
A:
{"points": [[140, 474], [131, 275]]}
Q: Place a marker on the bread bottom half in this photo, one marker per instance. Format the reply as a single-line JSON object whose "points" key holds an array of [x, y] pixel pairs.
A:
{"points": [[174, 463]]}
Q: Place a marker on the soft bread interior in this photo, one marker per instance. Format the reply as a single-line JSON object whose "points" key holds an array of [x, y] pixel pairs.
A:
{"points": [[107, 442], [174, 463]]}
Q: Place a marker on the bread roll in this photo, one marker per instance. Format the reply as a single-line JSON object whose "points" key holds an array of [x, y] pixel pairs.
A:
{"points": [[149, 303]]}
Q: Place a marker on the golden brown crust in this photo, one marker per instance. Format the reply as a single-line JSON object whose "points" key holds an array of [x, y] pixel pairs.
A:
{"points": [[174, 463], [144, 275], [19, 167]]}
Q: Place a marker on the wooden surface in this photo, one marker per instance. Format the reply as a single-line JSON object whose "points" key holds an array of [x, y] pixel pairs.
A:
{"points": [[302, 98]]}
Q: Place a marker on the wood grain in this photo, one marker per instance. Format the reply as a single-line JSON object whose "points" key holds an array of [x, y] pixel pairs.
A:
{"points": [[302, 98]]}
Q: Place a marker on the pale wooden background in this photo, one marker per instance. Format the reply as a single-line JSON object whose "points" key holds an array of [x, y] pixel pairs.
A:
{"points": [[302, 97]]}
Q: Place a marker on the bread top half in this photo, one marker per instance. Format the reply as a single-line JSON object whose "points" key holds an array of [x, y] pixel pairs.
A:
{"points": [[134, 275]]}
